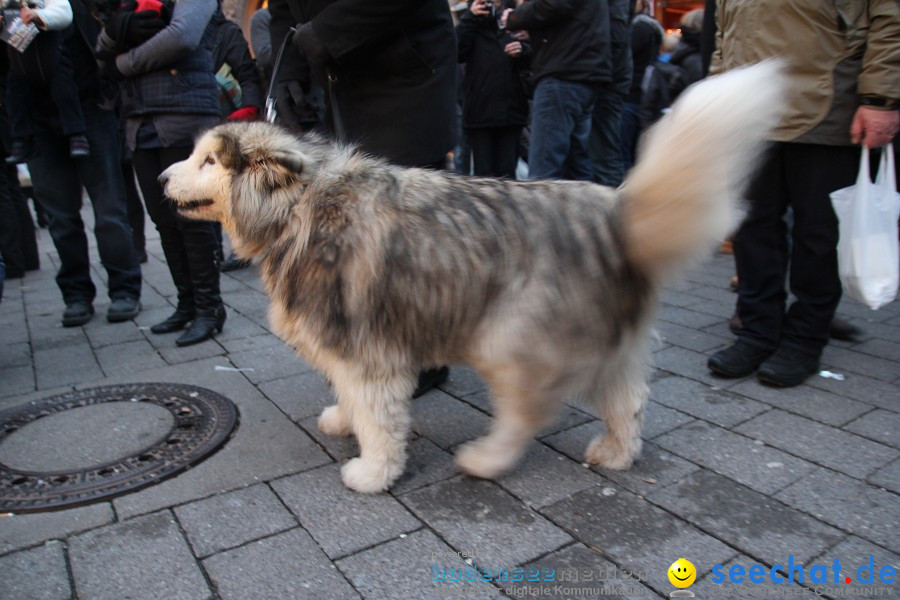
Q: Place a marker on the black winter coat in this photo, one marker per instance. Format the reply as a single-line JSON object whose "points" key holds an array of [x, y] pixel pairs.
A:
{"points": [[570, 38], [687, 56], [394, 69], [231, 47], [492, 87]]}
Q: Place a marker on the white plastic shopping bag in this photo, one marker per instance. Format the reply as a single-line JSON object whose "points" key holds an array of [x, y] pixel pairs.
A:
{"points": [[868, 251]]}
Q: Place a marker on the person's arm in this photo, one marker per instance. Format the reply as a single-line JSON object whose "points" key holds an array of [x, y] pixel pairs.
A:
{"points": [[716, 65], [539, 13], [243, 67], [178, 39], [56, 15], [877, 119]]}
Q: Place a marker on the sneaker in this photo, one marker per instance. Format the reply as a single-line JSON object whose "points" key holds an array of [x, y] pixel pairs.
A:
{"points": [[21, 151], [123, 309], [738, 360], [77, 313], [429, 379], [788, 367], [79, 146]]}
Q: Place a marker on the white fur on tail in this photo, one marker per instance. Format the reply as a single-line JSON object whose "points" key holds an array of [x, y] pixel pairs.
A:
{"points": [[683, 195]]}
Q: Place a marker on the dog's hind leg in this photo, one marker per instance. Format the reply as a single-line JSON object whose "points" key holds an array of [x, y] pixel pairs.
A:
{"points": [[378, 411], [335, 421], [521, 409], [620, 393]]}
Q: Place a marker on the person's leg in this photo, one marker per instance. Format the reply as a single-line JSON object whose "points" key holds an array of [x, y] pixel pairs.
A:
{"points": [[814, 172], [553, 119], [761, 256], [506, 155], [606, 138], [135, 210], [18, 107], [630, 131], [55, 179], [482, 152], [10, 232], [578, 164], [101, 175]]}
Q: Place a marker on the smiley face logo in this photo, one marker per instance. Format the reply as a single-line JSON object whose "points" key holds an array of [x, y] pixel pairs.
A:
{"points": [[682, 573]]}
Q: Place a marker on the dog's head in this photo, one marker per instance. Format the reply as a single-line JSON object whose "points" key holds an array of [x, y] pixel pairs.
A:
{"points": [[247, 176]]}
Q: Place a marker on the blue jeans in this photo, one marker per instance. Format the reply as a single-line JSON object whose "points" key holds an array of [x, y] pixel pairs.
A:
{"points": [[58, 179], [606, 138], [560, 130]]}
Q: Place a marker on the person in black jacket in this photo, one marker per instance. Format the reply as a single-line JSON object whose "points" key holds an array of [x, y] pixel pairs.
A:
{"points": [[388, 68], [58, 179], [571, 60], [494, 104], [687, 53], [389, 73]]}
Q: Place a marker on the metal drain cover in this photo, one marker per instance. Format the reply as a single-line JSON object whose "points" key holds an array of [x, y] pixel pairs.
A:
{"points": [[116, 439]]}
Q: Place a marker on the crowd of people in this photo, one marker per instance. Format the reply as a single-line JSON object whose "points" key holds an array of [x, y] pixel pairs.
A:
{"points": [[554, 90]]}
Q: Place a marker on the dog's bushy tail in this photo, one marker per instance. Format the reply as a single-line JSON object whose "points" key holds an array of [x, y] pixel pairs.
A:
{"points": [[683, 195]]}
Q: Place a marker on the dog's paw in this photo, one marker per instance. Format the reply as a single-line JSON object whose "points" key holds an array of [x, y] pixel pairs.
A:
{"points": [[478, 459], [603, 451], [364, 477], [333, 422]]}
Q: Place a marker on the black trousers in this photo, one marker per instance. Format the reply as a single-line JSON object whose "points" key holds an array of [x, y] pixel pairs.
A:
{"points": [[799, 176], [494, 150]]}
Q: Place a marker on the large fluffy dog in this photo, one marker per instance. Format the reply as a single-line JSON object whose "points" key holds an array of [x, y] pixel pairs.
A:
{"points": [[547, 288]]}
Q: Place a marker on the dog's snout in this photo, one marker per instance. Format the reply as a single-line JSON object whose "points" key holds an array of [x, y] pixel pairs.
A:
{"points": [[163, 179]]}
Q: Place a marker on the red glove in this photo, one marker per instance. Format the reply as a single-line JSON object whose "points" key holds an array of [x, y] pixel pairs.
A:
{"points": [[248, 113], [154, 5]]}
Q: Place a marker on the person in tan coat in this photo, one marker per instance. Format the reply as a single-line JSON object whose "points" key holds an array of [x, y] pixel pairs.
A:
{"points": [[843, 60]]}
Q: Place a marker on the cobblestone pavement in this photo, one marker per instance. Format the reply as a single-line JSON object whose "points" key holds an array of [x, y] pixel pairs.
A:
{"points": [[733, 474]]}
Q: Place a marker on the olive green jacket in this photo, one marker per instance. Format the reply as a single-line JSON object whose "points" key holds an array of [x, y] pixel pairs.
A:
{"points": [[836, 52]]}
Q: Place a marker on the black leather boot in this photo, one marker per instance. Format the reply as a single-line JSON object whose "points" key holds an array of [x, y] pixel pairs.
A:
{"points": [[200, 244], [176, 259]]}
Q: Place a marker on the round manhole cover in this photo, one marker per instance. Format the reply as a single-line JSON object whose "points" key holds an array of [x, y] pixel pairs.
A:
{"points": [[85, 446]]}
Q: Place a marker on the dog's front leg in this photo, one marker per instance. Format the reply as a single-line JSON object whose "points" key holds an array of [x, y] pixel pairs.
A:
{"points": [[378, 412]]}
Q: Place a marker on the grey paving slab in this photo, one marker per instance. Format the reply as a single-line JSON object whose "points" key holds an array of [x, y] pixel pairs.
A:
{"points": [[478, 515], [249, 342], [462, 381], [300, 396], [880, 348], [887, 477], [545, 476], [861, 388], [854, 554], [659, 419], [690, 364], [14, 354], [426, 464], [24, 530], [266, 445], [418, 566], [687, 317], [232, 519], [842, 359], [756, 465], [879, 425], [577, 572], [17, 380], [850, 504], [805, 400], [755, 523], [447, 421], [842, 451], [129, 357], [47, 333], [239, 327], [287, 565], [635, 534], [36, 574], [274, 362], [66, 365], [175, 355], [655, 468], [144, 558], [687, 337], [340, 520], [101, 333], [704, 402]]}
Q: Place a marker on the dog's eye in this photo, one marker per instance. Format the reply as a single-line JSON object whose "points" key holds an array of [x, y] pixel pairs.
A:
{"points": [[210, 160]]}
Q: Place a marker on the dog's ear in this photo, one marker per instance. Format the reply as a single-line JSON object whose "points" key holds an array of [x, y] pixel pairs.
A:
{"points": [[230, 154]]}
